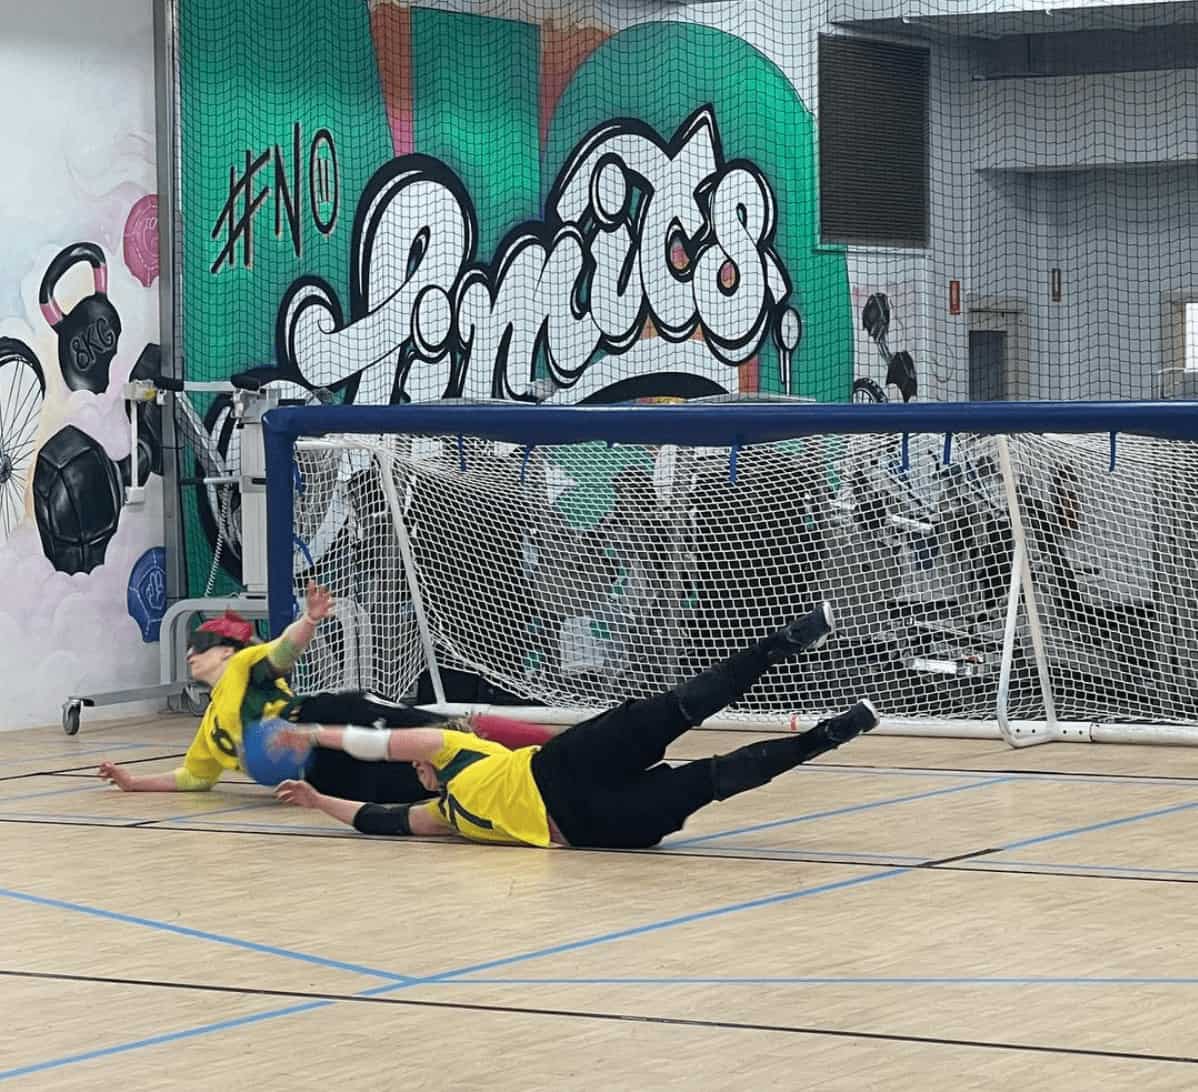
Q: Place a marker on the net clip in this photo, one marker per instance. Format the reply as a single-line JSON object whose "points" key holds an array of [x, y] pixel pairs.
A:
{"points": [[302, 546]]}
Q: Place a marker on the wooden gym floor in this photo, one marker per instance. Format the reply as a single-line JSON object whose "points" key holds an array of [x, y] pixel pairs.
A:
{"points": [[904, 914]]}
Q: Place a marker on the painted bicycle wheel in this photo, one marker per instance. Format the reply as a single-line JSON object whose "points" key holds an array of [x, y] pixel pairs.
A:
{"points": [[22, 391]]}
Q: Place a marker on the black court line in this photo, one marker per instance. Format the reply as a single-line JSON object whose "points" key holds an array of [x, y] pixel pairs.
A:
{"points": [[960, 857], [1064, 874], [1096, 774], [875, 767], [616, 1017], [947, 864], [448, 843], [75, 771]]}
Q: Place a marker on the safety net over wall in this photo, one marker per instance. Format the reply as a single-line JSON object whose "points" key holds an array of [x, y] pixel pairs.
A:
{"points": [[583, 202]]}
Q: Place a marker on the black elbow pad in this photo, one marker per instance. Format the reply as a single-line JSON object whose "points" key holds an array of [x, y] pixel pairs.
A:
{"points": [[383, 819]]}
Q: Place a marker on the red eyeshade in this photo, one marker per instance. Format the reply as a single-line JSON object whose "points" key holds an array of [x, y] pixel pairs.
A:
{"points": [[230, 625]]}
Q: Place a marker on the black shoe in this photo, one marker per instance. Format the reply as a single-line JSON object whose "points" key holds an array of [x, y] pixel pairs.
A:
{"points": [[803, 634], [863, 717]]}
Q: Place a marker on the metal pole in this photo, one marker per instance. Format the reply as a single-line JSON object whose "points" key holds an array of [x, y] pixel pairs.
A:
{"points": [[1023, 571], [279, 448], [169, 226], [386, 464]]}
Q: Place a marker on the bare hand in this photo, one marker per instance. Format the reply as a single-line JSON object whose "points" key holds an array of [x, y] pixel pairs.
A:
{"points": [[319, 602], [295, 739], [117, 775], [299, 793]]}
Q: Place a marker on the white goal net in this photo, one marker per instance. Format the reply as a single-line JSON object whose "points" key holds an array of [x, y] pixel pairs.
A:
{"points": [[579, 575]]}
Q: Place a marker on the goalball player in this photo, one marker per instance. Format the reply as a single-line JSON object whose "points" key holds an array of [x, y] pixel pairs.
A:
{"points": [[247, 678], [601, 783]]}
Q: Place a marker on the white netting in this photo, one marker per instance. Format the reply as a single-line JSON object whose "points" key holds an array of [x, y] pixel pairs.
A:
{"points": [[345, 538], [580, 575]]}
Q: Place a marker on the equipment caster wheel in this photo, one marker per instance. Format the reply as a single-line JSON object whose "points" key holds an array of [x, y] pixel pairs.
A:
{"points": [[70, 717], [195, 700]]}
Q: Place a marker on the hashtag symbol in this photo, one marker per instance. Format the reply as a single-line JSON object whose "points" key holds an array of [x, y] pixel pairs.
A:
{"points": [[240, 228]]}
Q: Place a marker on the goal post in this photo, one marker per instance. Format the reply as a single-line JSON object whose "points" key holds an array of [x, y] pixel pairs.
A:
{"points": [[1025, 571]]}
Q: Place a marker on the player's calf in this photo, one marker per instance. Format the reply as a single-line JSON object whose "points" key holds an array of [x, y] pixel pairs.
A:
{"points": [[720, 685], [759, 763]]}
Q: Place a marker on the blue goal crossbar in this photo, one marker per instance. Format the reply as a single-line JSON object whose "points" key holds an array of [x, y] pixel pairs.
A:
{"points": [[709, 425]]}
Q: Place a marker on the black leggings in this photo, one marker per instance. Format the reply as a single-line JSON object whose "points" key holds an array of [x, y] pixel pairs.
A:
{"points": [[603, 781], [337, 774]]}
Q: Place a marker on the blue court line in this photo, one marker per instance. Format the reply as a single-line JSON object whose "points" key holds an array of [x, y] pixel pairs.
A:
{"points": [[92, 787], [202, 934], [119, 820], [70, 816], [847, 810], [835, 857], [847, 980], [114, 820], [111, 746], [340, 831], [1181, 784], [225, 1025], [257, 804], [271, 1014], [158, 1040], [122, 821], [1058, 866], [641, 930], [95, 786], [1106, 824], [457, 973], [811, 856]]}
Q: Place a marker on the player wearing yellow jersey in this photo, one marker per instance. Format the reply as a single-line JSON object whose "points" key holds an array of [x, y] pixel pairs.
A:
{"points": [[247, 679], [602, 783]]}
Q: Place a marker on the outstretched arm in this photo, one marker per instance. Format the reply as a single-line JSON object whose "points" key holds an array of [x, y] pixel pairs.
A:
{"points": [[368, 744], [199, 772], [367, 818], [175, 781], [292, 642]]}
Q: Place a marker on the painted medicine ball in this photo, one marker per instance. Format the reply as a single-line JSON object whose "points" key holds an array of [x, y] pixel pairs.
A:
{"points": [[77, 500]]}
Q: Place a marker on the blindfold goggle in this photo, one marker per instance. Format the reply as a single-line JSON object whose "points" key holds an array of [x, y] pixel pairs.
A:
{"points": [[202, 641]]}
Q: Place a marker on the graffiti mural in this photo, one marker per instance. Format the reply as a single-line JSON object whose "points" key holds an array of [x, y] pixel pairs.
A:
{"points": [[490, 208], [78, 303], [503, 214], [638, 231], [525, 218]]}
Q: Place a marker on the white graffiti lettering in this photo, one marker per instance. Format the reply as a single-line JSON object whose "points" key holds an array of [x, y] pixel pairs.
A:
{"points": [[637, 231]]}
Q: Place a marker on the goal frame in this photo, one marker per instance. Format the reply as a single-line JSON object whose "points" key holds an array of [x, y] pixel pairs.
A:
{"points": [[731, 425]]}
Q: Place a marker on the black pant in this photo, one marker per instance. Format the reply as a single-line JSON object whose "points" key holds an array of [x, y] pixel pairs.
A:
{"points": [[603, 781], [337, 774]]}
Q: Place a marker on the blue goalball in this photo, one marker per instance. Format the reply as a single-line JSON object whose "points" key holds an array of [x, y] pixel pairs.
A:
{"points": [[265, 764]]}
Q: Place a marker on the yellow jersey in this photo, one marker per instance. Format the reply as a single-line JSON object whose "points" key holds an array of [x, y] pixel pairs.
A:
{"points": [[236, 698], [489, 794]]}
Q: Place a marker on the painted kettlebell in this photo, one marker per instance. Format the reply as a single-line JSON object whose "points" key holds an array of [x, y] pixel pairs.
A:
{"points": [[88, 333]]}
